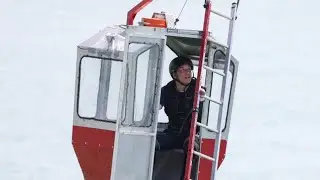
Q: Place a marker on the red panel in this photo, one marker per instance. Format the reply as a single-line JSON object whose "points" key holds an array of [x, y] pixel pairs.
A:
{"points": [[94, 149], [207, 148]]}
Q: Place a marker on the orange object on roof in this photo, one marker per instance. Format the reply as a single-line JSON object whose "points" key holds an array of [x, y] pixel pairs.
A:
{"points": [[157, 20]]}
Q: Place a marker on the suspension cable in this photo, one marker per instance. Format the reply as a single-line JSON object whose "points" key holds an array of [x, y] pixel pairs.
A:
{"points": [[177, 19]]}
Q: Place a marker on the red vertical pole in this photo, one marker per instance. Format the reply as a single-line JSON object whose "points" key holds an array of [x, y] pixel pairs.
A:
{"points": [[133, 12], [205, 33]]}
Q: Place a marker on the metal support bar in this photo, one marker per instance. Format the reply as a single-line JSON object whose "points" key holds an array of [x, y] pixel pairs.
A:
{"points": [[212, 100], [207, 127], [103, 93], [220, 14], [203, 156], [133, 12], [137, 133], [213, 70]]}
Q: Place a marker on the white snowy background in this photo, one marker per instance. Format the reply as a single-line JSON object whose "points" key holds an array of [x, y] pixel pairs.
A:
{"points": [[275, 125]]}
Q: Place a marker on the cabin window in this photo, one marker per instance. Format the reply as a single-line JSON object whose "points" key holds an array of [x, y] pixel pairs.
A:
{"points": [[98, 88], [215, 94], [203, 74], [141, 85], [168, 56], [143, 62], [213, 108]]}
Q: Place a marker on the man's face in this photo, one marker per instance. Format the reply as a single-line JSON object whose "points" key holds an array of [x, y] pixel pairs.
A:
{"points": [[184, 74]]}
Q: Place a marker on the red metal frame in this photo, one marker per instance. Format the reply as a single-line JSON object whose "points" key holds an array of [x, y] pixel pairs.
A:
{"points": [[133, 12], [205, 33]]}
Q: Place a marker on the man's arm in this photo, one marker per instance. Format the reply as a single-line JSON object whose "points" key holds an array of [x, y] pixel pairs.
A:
{"points": [[162, 97], [202, 93]]}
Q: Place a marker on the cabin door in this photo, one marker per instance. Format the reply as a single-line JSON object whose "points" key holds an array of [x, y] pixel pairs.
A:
{"points": [[139, 100]]}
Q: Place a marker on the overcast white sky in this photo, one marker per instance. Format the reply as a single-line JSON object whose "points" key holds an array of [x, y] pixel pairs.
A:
{"points": [[275, 121]]}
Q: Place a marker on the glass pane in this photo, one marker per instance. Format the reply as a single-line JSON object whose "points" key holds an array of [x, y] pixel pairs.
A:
{"points": [[215, 94], [141, 85], [168, 56], [203, 75], [89, 86], [99, 88]]}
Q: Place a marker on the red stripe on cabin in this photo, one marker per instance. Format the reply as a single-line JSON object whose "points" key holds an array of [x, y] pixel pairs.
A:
{"points": [[94, 149], [207, 148]]}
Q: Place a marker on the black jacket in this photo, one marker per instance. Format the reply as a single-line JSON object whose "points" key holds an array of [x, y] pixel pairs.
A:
{"points": [[178, 106]]}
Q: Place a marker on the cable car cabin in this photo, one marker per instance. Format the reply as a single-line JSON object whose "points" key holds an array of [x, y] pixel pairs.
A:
{"points": [[120, 72]]}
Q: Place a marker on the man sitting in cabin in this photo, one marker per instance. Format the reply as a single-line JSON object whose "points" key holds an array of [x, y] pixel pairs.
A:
{"points": [[177, 99]]}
